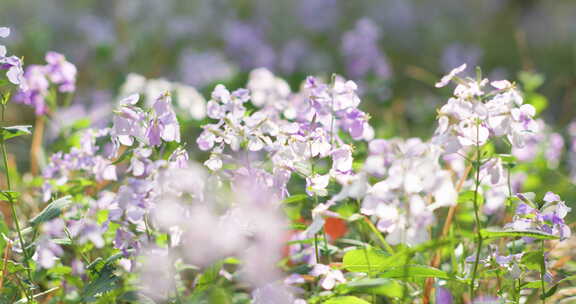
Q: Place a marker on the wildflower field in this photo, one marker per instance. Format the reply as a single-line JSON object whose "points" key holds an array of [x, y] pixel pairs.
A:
{"points": [[287, 152]]}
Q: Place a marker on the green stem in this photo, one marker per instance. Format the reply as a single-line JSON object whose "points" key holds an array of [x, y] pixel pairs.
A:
{"points": [[477, 163], [379, 235], [14, 215], [543, 271]]}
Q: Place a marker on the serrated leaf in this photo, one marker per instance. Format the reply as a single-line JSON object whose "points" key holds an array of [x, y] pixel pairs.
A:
{"points": [[136, 297], [346, 300], [53, 210], [535, 234], [104, 282], [15, 131]]}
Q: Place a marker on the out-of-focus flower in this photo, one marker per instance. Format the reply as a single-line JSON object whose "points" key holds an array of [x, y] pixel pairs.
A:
{"points": [[35, 85], [361, 51], [60, 71]]}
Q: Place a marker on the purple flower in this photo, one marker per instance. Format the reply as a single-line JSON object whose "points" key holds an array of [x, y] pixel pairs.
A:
{"points": [[36, 89], [35, 83], [443, 296], [60, 71], [361, 52], [164, 124], [549, 219]]}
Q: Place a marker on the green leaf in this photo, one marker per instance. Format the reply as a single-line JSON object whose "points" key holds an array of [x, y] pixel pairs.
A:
{"points": [[497, 233], [295, 198], [209, 276], [566, 279], [468, 196], [367, 260], [531, 81], [533, 284], [380, 286], [53, 210], [15, 131], [415, 271], [60, 270], [9, 196], [136, 297], [219, 296], [346, 300], [540, 102], [532, 260], [104, 282], [549, 292]]}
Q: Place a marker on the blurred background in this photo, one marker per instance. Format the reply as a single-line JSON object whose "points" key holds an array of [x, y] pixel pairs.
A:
{"points": [[394, 49]]}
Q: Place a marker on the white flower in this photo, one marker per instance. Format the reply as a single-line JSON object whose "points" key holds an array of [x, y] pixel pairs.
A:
{"points": [[447, 78], [316, 184], [329, 276]]}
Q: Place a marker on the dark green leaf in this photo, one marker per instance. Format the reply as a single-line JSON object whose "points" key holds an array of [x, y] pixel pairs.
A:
{"points": [[549, 292], [104, 282], [14, 131]]}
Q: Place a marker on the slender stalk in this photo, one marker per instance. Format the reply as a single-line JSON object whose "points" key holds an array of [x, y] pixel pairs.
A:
{"points": [[378, 234], [436, 259], [5, 268], [477, 163], [543, 271], [14, 215]]}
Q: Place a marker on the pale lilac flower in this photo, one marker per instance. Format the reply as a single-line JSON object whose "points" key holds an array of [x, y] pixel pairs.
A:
{"points": [[446, 79], [163, 123], [36, 89], [60, 71], [329, 277], [47, 253], [316, 184], [274, 293], [13, 64], [548, 219]]}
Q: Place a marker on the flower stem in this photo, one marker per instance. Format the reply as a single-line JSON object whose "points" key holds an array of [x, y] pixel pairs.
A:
{"points": [[14, 215], [543, 272], [477, 163]]}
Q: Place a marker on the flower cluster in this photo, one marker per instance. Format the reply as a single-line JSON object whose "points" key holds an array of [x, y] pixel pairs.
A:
{"points": [[413, 186], [37, 80], [12, 64], [548, 218], [474, 116]]}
